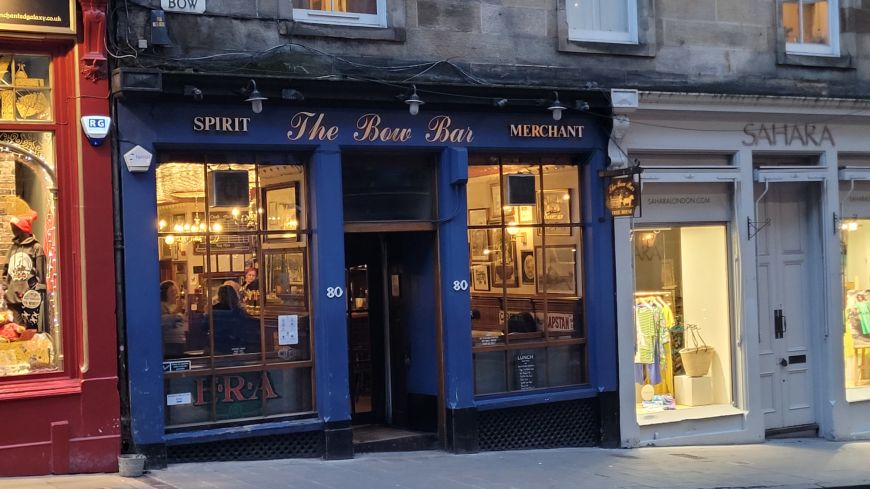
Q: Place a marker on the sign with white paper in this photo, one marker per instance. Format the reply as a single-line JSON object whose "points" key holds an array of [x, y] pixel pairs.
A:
{"points": [[183, 6], [288, 330], [179, 399]]}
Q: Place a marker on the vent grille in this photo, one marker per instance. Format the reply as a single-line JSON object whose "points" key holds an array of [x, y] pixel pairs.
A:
{"points": [[293, 445], [556, 425]]}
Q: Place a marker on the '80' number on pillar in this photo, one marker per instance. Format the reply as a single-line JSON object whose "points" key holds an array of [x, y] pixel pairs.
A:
{"points": [[334, 292], [460, 285]]}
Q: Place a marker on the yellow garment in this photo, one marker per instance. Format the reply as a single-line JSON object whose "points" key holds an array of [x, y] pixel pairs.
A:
{"points": [[666, 386]]}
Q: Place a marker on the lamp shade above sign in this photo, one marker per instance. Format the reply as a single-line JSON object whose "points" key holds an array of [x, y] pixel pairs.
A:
{"points": [[46, 16]]}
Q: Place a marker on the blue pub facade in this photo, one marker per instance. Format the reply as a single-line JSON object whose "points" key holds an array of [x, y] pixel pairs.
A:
{"points": [[324, 277]]}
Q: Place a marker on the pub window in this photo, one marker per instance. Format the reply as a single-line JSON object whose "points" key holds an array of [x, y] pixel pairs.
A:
{"points": [[525, 237], [234, 298], [363, 13], [30, 329]]}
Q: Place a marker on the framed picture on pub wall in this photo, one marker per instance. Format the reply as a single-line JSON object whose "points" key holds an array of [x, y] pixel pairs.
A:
{"points": [[478, 242], [504, 266], [556, 269], [527, 267], [281, 211], [480, 278], [557, 210]]}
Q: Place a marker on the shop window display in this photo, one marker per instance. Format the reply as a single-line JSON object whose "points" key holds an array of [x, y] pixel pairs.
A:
{"points": [[682, 317], [855, 236], [525, 236], [30, 330], [232, 240]]}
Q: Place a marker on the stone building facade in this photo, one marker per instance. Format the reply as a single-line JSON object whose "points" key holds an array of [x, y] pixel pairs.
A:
{"points": [[737, 113]]}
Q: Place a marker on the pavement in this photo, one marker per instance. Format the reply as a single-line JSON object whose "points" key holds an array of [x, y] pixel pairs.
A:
{"points": [[786, 464]]}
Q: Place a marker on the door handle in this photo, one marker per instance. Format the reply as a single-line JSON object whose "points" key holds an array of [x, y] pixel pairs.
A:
{"points": [[778, 324], [783, 362]]}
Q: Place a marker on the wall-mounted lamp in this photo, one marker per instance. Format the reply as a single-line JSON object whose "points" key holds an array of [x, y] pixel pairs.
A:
{"points": [[192, 91], [556, 108], [255, 97], [414, 102]]}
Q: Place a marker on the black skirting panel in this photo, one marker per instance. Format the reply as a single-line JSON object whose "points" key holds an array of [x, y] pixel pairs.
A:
{"points": [[554, 425], [292, 445]]}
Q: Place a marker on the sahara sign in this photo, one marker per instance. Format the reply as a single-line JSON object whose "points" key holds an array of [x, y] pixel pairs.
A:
{"points": [[804, 135], [46, 16]]}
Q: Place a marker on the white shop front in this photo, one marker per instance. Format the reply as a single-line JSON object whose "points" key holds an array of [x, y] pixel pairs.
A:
{"points": [[742, 281]]}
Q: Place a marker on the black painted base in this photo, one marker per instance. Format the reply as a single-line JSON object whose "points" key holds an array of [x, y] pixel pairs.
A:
{"points": [[462, 434], [156, 454], [425, 409], [608, 415], [338, 441]]}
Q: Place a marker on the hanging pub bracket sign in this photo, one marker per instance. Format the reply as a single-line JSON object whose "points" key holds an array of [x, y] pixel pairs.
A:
{"points": [[623, 191]]}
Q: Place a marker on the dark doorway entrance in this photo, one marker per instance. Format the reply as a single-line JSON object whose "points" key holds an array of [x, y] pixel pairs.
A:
{"points": [[392, 343]]}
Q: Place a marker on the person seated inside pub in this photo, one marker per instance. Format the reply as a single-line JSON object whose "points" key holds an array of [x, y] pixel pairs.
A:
{"points": [[235, 331]]}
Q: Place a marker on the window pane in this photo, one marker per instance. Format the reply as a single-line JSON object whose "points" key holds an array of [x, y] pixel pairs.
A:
{"points": [[30, 329], [806, 21], [234, 282], [351, 6], [525, 277], [682, 303], [791, 20], [613, 15], [598, 15], [815, 22], [290, 391], [188, 400], [378, 187], [489, 372], [25, 88], [566, 365]]}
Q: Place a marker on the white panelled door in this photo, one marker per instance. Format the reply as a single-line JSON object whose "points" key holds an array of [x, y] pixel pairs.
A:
{"points": [[789, 307]]}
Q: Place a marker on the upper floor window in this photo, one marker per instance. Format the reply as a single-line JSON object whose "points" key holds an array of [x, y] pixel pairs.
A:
{"points": [[365, 13], [602, 20], [811, 27]]}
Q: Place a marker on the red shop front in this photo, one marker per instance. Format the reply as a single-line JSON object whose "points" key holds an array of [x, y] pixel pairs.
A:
{"points": [[58, 353]]}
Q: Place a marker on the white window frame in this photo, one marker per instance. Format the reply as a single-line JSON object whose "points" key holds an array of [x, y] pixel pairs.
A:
{"points": [[590, 35], [343, 18], [812, 49]]}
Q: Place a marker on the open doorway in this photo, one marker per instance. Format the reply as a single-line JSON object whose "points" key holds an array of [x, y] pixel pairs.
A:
{"points": [[392, 343]]}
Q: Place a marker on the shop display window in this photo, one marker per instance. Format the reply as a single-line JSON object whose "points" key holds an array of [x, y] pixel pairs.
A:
{"points": [[30, 330], [233, 258], [855, 235], [525, 237], [683, 318]]}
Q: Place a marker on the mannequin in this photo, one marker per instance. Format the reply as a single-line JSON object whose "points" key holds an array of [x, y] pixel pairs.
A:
{"points": [[24, 275]]}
